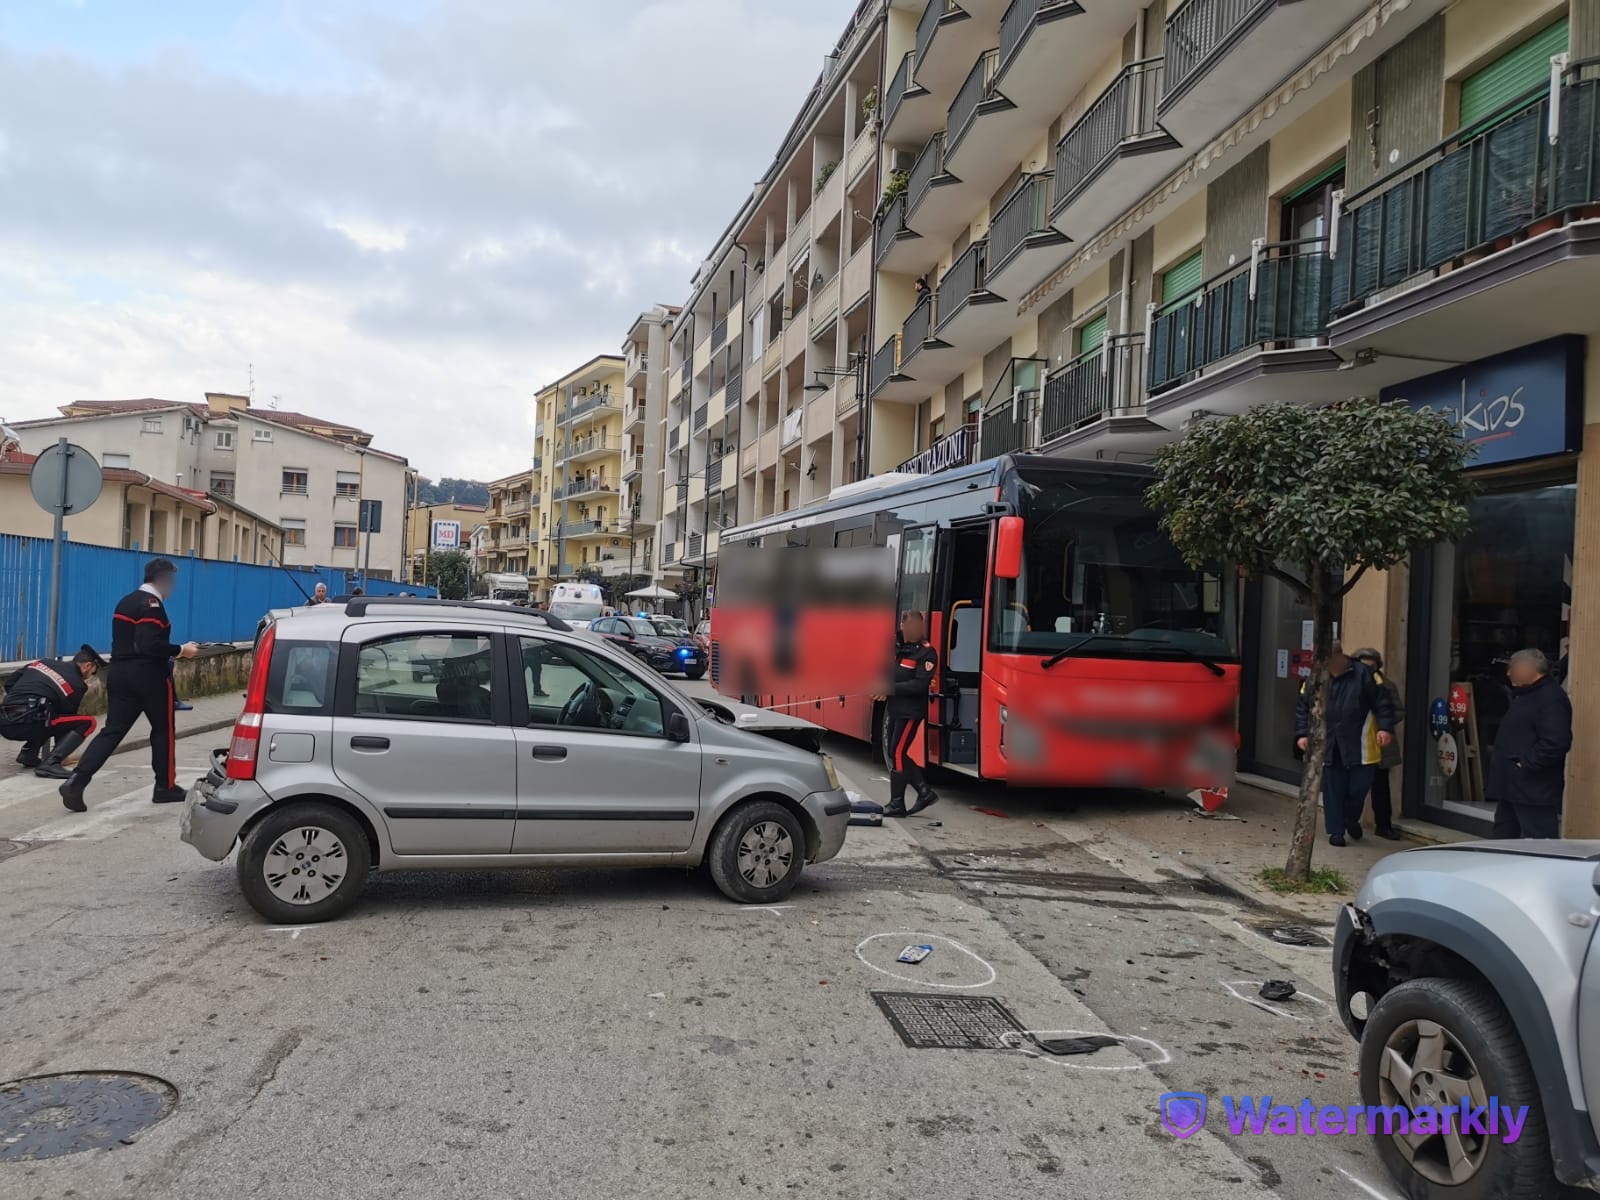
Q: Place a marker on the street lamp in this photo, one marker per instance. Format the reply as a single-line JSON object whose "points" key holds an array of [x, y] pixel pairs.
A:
{"points": [[857, 370]]}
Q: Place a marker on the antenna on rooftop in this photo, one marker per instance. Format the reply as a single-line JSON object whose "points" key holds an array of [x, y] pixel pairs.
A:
{"points": [[276, 400], [250, 369]]}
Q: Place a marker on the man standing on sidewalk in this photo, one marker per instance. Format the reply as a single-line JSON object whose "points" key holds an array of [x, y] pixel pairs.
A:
{"points": [[1528, 764], [1360, 725], [139, 682], [41, 704], [915, 665]]}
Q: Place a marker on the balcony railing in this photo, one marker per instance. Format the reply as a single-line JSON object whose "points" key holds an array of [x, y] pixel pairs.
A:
{"points": [[589, 403], [978, 87], [696, 544], [1009, 421], [1026, 214], [1126, 110], [929, 165], [1019, 20], [961, 282], [674, 438], [579, 487], [538, 461], [735, 395], [897, 88], [929, 25], [1199, 34], [1469, 194], [669, 554], [1280, 295], [1104, 380], [890, 222], [700, 416], [686, 372], [885, 362], [917, 327], [719, 333], [595, 441], [633, 466], [714, 473]]}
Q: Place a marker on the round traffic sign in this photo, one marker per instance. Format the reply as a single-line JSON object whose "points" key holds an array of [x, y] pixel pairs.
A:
{"points": [[65, 478]]}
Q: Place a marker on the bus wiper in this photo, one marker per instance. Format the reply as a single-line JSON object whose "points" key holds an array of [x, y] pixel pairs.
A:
{"points": [[1068, 651]]}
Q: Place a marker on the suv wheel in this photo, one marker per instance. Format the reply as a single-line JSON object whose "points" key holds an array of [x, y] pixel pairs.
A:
{"points": [[1433, 1042], [304, 863], [694, 673], [757, 853]]}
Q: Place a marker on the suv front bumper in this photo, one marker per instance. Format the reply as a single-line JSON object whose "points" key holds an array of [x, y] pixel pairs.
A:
{"points": [[1347, 937], [218, 808]]}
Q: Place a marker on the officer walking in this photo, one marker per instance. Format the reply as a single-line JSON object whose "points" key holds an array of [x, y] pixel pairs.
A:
{"points": [[915, 665], [139, 682], [41, 704]]}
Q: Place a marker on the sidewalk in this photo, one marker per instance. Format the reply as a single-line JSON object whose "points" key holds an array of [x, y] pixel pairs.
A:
{"points": [[1234, 852], [210, 713]]}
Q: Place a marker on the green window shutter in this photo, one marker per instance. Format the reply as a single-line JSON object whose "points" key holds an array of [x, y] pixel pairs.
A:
{"points": [[1512, 76], [1181, 281], [1093, 335]]}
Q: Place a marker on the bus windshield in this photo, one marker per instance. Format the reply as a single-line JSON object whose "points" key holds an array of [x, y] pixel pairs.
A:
{"points": [[1099, 573]]}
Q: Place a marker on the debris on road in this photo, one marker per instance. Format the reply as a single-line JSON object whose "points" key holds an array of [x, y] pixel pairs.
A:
{"points": [[991, 812], [1277, 989], [864, 812], [915, 954], [1076, 1045]]}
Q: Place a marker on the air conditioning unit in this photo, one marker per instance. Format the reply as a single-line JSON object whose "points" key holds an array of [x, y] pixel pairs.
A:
{"points": [[904, 160]]}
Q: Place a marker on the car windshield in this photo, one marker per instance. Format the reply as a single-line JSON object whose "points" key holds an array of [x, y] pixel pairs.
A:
{"points": [[575, 610], [670, 626], [1099, 573], [640, 627]]}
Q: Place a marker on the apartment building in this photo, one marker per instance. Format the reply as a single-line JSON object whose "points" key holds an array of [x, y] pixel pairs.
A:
{"points": [[584, 530], [419, 529], [646, 353], [302, 474], [513, 503]]}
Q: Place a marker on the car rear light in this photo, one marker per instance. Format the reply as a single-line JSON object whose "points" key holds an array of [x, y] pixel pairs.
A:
{"points": [[246, 743]]}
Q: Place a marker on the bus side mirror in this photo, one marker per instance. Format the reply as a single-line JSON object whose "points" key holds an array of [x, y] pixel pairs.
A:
{"points": [[1008, 548]]}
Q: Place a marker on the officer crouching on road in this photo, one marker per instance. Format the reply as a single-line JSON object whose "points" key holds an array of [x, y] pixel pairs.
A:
{"points": [[41, 704], [915, 666], [139, 681]]}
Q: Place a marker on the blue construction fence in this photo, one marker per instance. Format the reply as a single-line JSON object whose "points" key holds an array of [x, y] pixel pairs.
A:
{"points": [[214, 601]]}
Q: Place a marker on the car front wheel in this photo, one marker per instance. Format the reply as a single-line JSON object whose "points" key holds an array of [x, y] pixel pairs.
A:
{"points": [[304, 863], [694, 673], [757, 853], [1430, 1044]]}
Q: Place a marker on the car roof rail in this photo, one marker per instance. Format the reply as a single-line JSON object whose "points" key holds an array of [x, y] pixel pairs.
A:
{"points": [[359, 606]]}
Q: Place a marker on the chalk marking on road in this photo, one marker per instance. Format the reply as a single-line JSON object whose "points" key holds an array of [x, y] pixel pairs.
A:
{"points": [[1256, 1001], [1012, 1040], [922, 979], [774, 909], [294, 931], [1365, 1186]]}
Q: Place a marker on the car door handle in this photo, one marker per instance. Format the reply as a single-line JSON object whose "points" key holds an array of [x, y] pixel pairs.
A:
{"points": [[550, 753], [369, 743]]}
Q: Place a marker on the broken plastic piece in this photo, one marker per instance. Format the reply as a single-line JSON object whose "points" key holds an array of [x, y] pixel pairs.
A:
{"points": [[915, 954], [865, 812], [1277, 989], [1077, 1045]]}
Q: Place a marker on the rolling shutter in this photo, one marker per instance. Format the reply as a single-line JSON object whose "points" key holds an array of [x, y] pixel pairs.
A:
{"points": [[1091, 337], [1512, 76], [1182, 280]]}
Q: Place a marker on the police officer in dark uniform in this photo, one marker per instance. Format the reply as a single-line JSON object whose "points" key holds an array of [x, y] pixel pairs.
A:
{"points": [[41, 704], [139, 682], [915, 666]]}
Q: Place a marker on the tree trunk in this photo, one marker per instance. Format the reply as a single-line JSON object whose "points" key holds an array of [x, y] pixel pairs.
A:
{"points": [[1298, 867]]}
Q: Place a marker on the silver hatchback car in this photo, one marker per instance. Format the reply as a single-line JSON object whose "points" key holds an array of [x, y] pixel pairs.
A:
{"points": [[420, 734]]}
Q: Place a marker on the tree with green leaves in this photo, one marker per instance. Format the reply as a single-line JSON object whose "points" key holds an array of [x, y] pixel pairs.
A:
{"points": [[1316, 498], [447, 571]]}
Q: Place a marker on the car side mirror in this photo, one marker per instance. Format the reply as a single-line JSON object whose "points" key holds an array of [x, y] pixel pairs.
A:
{"points": [[1008, 548], [677, 726]]}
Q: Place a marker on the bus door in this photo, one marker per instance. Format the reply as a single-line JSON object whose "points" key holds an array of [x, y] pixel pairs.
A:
{"points": [[919, 555], [959, 592]]}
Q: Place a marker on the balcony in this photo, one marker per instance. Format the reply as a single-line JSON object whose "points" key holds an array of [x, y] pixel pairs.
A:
{"points": [[1480, 245], [1099, 396], [938, 54], [793, 426], [976, 95], [910, 112], [633, 468], [719, 334], [927, 177], [538, 462], [735, 393], [693, 551], [886, 380], [686, 371], [588, 408], [1023, 246], [596, 445], [1115, 150], [669, 554], [638, 367], [915, 330], [862, 154], [714, 474], [634, 418], [824, 303], [699, 421], [675, 438], [589, 487], [971, 317], [538, 431], [893, 242]]}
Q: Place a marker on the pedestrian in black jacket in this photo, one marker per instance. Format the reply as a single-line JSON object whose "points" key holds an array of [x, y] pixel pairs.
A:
{"points": [[139, 682], [41, 704], [915, 666], [1389, 759], [1360, 726], [1528, 764]]}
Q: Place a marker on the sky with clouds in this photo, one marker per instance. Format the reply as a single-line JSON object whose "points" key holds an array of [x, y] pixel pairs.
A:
{"points": [[406, 214]]}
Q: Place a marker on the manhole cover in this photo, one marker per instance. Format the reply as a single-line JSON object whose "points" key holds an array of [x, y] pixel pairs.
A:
{"points": [[1293, 935], [931, 1022], [46, 1116]]}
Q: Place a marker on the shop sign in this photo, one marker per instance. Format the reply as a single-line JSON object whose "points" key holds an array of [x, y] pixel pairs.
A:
{"points": [[1439, 716], [949, 451], [1525, 404], [446, 535], [1449, 755], [1458, 702]]}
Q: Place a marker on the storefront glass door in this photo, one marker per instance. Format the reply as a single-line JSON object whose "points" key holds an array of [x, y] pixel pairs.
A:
{"points": [[1278, 660], [1506, 586]]}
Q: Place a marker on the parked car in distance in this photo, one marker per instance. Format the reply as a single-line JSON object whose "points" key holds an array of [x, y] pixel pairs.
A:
{"points": [[407, 735], [1469, 973], [640, 637], [676, 627]]}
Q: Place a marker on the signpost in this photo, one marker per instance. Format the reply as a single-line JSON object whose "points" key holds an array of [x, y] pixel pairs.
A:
{"points": [[369, 522], [65, 480]]}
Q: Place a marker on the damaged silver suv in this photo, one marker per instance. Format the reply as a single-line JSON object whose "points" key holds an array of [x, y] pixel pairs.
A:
{"points": [[422, 734], [1469, 974]]}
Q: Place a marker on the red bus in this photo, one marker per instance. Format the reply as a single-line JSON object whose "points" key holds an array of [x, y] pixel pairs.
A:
{"points": [[1076, 647]]}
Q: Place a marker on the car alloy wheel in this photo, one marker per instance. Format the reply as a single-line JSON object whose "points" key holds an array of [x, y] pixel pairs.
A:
{"points": [[304, 865], [1422, 1065], [765, 854]]}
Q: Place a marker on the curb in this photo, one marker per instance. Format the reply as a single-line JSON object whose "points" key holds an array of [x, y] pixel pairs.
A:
{"points": [[143, 743]]}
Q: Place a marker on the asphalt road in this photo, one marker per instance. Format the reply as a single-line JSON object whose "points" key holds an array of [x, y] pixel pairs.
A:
{"points": [[631, 1033]]}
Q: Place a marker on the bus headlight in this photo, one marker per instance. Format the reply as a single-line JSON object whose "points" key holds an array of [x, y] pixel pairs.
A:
{"points": [[1019, 740], [828, 770]]}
